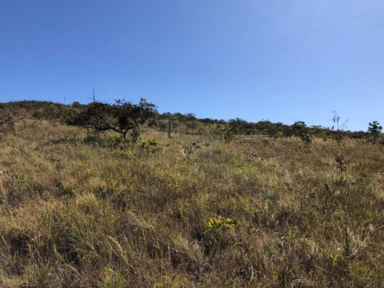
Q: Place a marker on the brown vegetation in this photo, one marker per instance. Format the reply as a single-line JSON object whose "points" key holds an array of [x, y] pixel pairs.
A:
{"points": [[89, 212]]}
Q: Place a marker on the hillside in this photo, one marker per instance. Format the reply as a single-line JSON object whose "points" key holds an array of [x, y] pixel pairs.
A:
{"points": [[192, 211]]}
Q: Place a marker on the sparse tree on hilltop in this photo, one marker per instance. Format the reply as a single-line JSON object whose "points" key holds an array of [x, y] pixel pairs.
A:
{"points": [[121, 117], [374, 130]]}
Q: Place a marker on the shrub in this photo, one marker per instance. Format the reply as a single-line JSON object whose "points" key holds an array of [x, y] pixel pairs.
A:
{"points": [[121, 117], [374, 131]]}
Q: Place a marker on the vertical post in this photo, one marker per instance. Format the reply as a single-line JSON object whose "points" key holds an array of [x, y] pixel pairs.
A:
{"points": [[169, 128]]}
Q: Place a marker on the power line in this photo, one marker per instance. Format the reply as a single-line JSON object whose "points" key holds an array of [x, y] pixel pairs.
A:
{"points": [[288, 48], [299, 45], [303, 33], [291, 37]]}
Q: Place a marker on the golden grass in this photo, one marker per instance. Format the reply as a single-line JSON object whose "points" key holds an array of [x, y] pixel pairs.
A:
{"points": [[84, 212]]}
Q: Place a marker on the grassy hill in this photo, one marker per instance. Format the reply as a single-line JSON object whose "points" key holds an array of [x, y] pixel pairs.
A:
{"points": [[190, 211]]}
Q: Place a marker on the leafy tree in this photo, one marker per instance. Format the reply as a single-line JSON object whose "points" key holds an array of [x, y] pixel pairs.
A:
{"points": [[301, 130], [374, 130], [237, 125], [154, 121], [358, 135], [190, 116], [191, 121], [130, 116], [98, 115], [265, 126], [121, 117]]}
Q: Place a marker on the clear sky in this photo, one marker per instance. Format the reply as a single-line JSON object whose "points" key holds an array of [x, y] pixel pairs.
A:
{"points": [[200, 56]]}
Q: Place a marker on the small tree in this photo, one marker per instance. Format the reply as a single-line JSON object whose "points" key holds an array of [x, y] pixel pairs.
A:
{"points": [[98, 115], [374, 131], [130, 116], [191, 121], [120, 117], [237, 125], [301, 130]]}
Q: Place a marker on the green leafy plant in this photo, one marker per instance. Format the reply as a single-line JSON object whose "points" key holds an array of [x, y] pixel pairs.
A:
{"points": [[216, 224], [151, 142]]}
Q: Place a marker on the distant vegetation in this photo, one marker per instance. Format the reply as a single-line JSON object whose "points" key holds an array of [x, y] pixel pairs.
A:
{"points": [[98, 196], [181, 123]]}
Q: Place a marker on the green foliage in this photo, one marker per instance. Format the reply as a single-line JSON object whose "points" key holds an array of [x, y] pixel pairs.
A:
{"points": [[327, 134], [99, 116], [53, 112], [301, 130], [216, 224], [191, 121], [339, 137], [237, 125], [374, 128], [374, 131], [120, 117], [151, 142], [135, 135]]}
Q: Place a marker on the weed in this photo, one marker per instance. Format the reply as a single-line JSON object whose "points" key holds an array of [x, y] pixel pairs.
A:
{"points": [[216, 224]]}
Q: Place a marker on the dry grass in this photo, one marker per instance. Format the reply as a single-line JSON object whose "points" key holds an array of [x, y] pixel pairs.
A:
{"points": [[75, 213]]}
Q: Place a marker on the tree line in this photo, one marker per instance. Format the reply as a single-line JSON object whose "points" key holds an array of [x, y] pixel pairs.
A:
{"points": [[126, 117]]}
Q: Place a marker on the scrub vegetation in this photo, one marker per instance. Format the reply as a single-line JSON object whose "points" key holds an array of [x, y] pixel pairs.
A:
{"points": [[219, 204]]}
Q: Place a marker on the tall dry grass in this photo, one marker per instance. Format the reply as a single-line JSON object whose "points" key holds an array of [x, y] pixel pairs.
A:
{"points": [[88, 212]]}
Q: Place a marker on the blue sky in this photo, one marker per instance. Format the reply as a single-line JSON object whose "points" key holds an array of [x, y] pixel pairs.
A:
{"points": [[182, 56]]}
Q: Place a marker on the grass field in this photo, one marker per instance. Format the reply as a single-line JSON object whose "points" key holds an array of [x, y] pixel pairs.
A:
{"points": [[88, 212]]}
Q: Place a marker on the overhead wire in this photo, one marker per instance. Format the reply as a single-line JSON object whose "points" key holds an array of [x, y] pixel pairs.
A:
{"points": [[304, 32], [288, 38], [301, 44]]}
